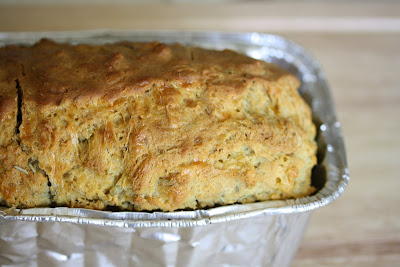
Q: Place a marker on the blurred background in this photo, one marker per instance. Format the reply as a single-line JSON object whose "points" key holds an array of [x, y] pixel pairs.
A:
{"points": [[358, 45]]}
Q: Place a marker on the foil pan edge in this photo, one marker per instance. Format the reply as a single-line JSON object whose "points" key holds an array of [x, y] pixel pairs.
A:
{"points": [[268, 47]]}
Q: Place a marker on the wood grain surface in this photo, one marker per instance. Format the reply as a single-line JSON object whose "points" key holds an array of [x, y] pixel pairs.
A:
{"points": [[358, 46]]}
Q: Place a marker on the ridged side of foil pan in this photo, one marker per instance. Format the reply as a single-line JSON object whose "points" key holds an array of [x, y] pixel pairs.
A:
{"points": [[330, 176]]}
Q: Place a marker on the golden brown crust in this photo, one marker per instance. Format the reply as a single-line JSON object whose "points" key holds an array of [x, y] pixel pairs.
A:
{"points": [[21, 185], [9, 72], [149, 126]]}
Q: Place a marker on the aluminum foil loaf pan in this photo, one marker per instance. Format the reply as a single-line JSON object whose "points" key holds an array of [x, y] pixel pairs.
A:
{"points": [[258, 234]]}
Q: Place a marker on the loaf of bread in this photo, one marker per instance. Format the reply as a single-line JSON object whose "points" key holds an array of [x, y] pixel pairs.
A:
{"points": [[149, 126]]}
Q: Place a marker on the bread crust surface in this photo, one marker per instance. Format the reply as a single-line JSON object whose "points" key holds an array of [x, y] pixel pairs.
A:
{"points": [[149, 126]]}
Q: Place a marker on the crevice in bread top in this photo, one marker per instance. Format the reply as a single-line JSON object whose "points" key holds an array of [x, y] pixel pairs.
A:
{"points": [[149, 126]]}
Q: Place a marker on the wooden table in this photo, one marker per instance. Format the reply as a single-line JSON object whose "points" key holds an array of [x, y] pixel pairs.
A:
{"points": [[358, 45]]}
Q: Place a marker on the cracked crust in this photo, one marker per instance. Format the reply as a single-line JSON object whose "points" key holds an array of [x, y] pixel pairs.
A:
{"points": [[149, 126]]}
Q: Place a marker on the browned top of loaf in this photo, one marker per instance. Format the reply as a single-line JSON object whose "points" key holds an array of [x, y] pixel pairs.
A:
{"points": [[58, 73], [10, 70]]}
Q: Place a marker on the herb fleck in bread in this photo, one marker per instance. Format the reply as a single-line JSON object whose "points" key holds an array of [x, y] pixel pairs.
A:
{"points": [[149, 126]]}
